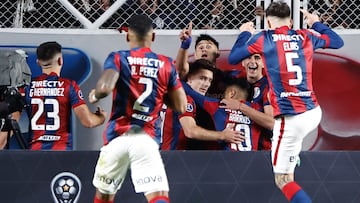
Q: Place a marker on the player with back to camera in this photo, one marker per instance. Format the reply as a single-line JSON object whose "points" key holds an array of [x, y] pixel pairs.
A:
{"points": [[288, 58], [138, 79], [51, 98]]}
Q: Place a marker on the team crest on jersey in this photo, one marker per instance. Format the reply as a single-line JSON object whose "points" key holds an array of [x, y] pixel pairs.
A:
{"points": [[256, 92], [80, 94], [65, 188], [189, 108]]}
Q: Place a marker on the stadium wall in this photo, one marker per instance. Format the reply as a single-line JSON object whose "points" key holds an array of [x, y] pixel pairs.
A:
{"points": [[96, 44], [194, 177]]}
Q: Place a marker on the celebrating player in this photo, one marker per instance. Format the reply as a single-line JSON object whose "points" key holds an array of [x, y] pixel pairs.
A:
{"points": [[51, 98], [181, 131], [288, 57], [138, 79]]}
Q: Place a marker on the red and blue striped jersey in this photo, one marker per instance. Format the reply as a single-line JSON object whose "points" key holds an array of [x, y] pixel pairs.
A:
{"points": [[144, 78], [227, 118], [50, 100], [173, 136], [259, 101], [288, 57]]}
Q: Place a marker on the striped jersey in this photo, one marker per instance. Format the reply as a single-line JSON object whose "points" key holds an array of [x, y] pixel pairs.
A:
{"points": [[50, 100], [173, 136], [144, 78], [227, 118], [288, 57]]}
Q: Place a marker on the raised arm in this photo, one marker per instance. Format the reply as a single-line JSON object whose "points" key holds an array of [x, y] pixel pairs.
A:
{"points": [[239, 50], [182, 57], [332, 39]]}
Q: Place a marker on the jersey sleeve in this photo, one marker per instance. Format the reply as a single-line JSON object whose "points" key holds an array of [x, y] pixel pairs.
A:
{"points": [[113, 61], [245, 46], [190, 108], [327, 38], [207, 103], [76, 96]]}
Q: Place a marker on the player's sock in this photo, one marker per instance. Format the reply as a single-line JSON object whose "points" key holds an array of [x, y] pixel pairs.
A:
{"points": [[160, 199], [97, 200], [295, 194]]}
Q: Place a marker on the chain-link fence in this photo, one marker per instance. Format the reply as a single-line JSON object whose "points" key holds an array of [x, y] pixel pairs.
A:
{"points": [[166, 14]]}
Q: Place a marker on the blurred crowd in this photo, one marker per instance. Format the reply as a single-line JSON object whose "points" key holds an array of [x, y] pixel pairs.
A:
{"points": [[166, 14]]}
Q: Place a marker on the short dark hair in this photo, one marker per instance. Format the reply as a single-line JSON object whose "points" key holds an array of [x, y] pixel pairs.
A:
{"points": [[278, 9], [207, 38], [199, 64], [48, 50], [243, 84], [141, 24]]}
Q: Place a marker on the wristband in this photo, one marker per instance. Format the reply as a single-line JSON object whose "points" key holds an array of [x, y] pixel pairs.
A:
{"points": [[185, 44]]}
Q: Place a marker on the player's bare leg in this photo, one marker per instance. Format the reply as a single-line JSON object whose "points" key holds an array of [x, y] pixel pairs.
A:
{"points": [[282, 179], [292, 191]]}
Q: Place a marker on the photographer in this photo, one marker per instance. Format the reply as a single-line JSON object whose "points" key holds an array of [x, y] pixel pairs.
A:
{"points": [[11, 105]]}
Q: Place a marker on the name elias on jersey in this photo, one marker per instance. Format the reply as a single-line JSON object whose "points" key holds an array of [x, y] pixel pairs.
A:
{"points": [[144, 71], [39, 92], [46, 83], [237, 117]]}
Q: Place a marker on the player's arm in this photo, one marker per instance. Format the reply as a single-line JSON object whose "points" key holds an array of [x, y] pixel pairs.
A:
{"points": [[332, 40], [201, 100], [240, 50], [182, 57], [176, 100], [264, 119], [104, 86], [89, 119], [193, 131]]}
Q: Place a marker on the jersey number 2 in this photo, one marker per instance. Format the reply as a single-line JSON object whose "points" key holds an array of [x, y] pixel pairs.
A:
{"points": [[148, 89]]}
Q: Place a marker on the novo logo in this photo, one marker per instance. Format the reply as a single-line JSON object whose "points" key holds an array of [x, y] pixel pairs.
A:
{"points": [[149, 179], [65, 188], [109, 181]]}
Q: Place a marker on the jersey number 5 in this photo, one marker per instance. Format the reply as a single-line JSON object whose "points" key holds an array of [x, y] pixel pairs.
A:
{"points": [[293, 68], [54, 114]]}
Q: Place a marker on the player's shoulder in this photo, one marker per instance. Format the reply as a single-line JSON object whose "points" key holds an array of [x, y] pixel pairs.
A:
{"points": [[165, 57]]}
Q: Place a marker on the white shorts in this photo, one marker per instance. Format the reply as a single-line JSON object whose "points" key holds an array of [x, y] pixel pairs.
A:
{"points": [[141, 153], [288, 134]]}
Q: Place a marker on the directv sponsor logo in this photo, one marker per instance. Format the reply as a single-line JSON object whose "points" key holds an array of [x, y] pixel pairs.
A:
{"points": [[283, 37], [145, 61], [65, 188]]}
